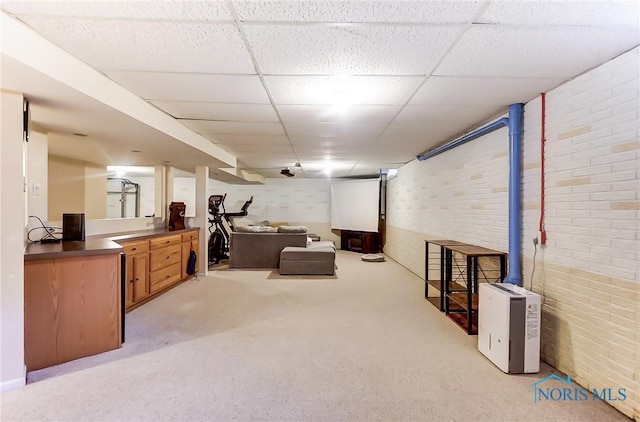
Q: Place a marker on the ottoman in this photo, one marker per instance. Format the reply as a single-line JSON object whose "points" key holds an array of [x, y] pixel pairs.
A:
{"points": [[318, 259]]}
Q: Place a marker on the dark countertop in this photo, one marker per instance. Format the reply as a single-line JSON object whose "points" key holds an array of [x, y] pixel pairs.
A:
{"points": [[94, 245], [71, 248]]}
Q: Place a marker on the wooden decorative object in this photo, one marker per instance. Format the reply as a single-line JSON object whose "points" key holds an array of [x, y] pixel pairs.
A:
{"points": [[176, 215]]}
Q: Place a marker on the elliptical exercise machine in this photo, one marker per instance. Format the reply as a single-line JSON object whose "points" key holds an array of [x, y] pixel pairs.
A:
{"points": [[219, 238]]}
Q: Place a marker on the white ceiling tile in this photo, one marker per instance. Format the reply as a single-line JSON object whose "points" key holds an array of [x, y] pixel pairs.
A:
{"points": [[340, 149], [264, 161], [210, 129], [218, 111], [558, 52], [450, 90], [387, 153], [330, 113], [363, 169], [334, 129], [455, 115], [168, 10], [356, 11], [350, 50], [252, 139], [192, 87], [158, 46], [322, 165], [359, 90], [584, 13], [239, 149]]}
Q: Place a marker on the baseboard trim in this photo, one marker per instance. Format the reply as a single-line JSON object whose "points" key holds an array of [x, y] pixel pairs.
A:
{"points": [[13, 384]]}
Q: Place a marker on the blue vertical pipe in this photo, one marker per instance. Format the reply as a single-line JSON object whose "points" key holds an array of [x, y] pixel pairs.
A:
{"points": [[515, 153], [514, 123]]}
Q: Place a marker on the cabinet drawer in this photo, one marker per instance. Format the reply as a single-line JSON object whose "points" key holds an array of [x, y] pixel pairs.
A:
{"points": [[131, 248], [189, 236], [164, 257], [163, 241], [164, 277]]}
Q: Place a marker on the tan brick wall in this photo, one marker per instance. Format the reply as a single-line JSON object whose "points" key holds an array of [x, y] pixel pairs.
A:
{"points": [[590, 327]]}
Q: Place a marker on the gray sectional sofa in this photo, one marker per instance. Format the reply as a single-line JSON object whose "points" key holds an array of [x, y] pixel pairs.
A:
{"points": [[261, 249], [286, 248]]}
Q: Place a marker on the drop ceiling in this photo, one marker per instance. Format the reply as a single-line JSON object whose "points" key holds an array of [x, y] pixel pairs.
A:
{"points": [[351, 86]]}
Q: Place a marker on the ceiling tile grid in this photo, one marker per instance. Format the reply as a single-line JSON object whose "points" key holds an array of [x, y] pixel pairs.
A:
{"points": [[328, 90], [367, 83], [349, 50]]}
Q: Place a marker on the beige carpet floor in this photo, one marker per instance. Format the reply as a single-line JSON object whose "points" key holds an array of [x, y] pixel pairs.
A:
{"points": [[254, 345]]}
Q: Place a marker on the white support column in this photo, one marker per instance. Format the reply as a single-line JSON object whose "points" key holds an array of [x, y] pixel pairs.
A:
{"points": [[202, 215], [160, 192], [168, 193], [12, 242]]}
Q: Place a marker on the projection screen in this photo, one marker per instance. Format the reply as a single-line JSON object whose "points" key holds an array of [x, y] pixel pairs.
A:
{"points": [[354, 205]]}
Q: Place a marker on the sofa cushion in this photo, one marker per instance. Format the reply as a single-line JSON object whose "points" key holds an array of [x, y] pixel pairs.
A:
{"points": [[256, 229], [292, 229], [307, 261], [322, 244], [261, 250]]}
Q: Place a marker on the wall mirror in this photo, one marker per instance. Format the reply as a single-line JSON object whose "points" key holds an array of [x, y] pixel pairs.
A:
{"points": [[100, 192], [130, 191]]}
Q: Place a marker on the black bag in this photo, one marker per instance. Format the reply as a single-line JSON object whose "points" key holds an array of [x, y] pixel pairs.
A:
{"points": [[191, 262]]}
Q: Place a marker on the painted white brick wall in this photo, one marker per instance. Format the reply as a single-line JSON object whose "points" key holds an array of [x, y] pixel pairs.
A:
{"points": [[589, 270], [461, 194], [592, 166], [280, 199]]}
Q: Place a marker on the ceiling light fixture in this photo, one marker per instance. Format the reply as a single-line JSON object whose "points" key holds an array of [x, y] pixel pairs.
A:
{"points": [[343, 100]]}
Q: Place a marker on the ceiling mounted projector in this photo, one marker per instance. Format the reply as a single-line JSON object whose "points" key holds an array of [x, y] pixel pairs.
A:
{"points": [[286, 172]]}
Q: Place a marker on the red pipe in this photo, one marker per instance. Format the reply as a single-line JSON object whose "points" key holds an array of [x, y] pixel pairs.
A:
{"points": [[543, 234]]}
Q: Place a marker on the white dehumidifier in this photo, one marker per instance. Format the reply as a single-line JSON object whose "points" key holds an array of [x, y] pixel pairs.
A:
{"points": [[509, 327]]}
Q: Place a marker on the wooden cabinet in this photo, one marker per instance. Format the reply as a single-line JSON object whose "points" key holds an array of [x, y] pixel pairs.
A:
{"points": [[72, 308], [137, 270], [137, 282], [357, 241], [155, 264]]}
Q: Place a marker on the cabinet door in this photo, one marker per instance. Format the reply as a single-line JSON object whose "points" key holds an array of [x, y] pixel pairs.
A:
{"points": [[137, 278], [140, 284], [186, 249], [129, 284]]}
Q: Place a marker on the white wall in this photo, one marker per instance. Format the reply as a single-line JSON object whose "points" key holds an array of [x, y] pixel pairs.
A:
{"points": [[280, 200], [184, 190], [95, 192], [37, 176], [284, 200], [12, 240], [589, 270]]}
